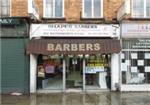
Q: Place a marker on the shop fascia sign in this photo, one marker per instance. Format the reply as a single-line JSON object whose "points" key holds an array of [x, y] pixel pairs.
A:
{"points": [[138, 43], [73, 47], [8, 21], [74, 30], [136, 30], [33, 10], [142, 44]]}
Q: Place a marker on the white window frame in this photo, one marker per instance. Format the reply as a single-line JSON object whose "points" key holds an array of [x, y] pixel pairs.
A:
{"points": [[10, 14], [44, 8], [144, 10], [83, 14], [10, 6]]}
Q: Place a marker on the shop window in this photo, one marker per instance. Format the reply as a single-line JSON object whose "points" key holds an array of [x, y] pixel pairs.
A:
{"points": [[140, 8], [5, 8], [92, 9], [98, 72], [53, 8], [135, 66], [49, 72]]}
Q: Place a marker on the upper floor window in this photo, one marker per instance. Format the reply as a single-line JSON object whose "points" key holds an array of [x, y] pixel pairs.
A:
{"points": [[53, 8], [92, 9], [140, 8], [4, 8], [148, 8]]}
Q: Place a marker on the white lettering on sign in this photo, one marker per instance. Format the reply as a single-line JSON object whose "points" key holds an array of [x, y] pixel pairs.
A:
{"points": [[142, 43], [73, 47]]}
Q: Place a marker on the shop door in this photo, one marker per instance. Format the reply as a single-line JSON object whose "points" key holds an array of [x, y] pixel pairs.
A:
{"points": [[74, 72]]}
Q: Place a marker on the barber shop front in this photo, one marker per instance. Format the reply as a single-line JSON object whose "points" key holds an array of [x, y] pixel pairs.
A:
{"points": [[73, 63]]}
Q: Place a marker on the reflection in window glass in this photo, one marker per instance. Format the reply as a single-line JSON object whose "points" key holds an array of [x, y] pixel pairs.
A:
{"points": [[148, 8], [49, 72], [54, 8], [49, 8], [97, 8], [98, 72], [92, 8], [138, 8], [88, 8], [58, 8], [5, 8]]}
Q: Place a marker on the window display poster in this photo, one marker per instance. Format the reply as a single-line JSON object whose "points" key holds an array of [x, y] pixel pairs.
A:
{"points": [[93, 70], [134, 69], [123, 67], [147, 69], [134, 55], [147, 55], [127, 62]]}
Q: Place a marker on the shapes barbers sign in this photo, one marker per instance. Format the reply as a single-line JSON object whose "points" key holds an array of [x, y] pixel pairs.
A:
{"points": [[73, 30]]}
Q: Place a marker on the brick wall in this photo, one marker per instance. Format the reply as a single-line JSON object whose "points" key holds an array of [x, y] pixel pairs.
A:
{"points": [[110, 9], [19, 8], [73, 9]]}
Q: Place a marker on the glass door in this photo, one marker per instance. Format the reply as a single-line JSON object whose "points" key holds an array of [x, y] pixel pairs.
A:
{"points": [[74, 71]]}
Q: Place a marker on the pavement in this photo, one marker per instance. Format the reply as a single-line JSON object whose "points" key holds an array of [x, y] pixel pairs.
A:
{"points": [[101, 98]]}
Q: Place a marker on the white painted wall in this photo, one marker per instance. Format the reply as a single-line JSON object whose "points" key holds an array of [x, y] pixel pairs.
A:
{"points": [[140, 87], [114, 70], [33, 69]]}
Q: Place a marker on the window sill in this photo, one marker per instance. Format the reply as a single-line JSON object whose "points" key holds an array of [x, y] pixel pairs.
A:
{"points": [[134, 18], [45, 18], [83, 18]]}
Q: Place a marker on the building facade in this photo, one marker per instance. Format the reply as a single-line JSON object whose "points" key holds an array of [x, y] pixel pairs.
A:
{"points": [[14, 36], [75, 45], [134, 17]]}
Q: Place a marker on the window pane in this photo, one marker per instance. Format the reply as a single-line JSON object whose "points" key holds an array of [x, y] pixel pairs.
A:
{"points": [[88, 8], [5, 2], [97, 8], [148, 8], [138, 8], [49, 72], [4, 11], [49, 8], [98, 72], [58, 8]]}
